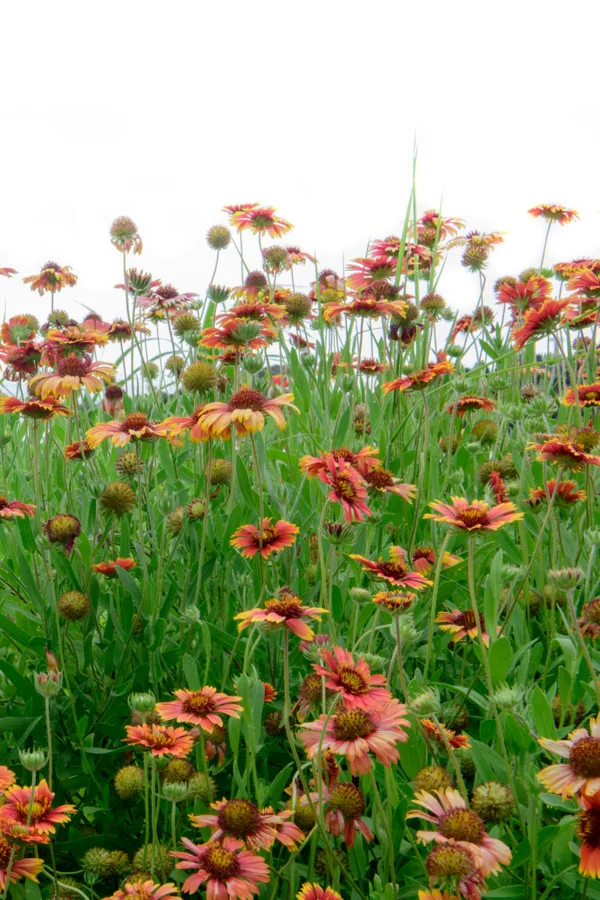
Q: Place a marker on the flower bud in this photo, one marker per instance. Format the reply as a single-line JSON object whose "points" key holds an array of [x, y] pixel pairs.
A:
{"points": [[508, 698], [567, 579], [246, 331], [360, 595], [217, 293], [426, 704], [253, 364], [142, 703], [33, 760], [175, 791], [48, 684], [592, 537]]}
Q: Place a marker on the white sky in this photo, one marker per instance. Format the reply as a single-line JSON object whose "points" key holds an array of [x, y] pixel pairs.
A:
{"points": [[166, 112]]}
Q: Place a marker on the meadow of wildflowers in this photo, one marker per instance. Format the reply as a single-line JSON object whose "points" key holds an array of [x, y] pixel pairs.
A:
{"points": [[299, 584]]}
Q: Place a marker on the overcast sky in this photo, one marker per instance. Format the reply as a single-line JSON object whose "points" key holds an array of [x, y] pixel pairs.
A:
{"points": [[166, 112]]}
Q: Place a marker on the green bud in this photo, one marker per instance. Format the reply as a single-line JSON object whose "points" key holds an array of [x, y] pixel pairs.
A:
{"points": [[142, 703]]}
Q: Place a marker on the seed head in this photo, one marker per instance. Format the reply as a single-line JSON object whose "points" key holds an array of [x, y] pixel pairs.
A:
{"points": [[73, 605], [175, 521], [218, 237], [200, 377], [97, 862], [432, 778], [186, 323], [129, 464], [220, 471], [129, 781], [202, 787], [118, 498], [493, 802], [62, 529]]}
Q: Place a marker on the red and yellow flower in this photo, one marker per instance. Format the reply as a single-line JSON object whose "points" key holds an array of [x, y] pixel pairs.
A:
{"points": [[347, 488], [355, 733], [15, 509], [228, 870], [36, 819], [110, 568], [52, 278], [552, 212], [358, 688], [439, 732], [260, 220], [257, 828], [316, 892], [160, 740], [539, 322], [471, 404], [251, 540], [203, 707], [135, 427], [581, 773], [587, 395], [394, 570], [462, 623], [285, 611], [565, 453], [417, 381], [473, 516], [28, 868], [565, 494], [34, 408], [458, 825], [145, 889], [72, 374], [245, 412]]}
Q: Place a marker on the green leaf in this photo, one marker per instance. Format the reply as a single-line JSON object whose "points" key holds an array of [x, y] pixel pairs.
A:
{"points": [[542, 714], [190, 670], [500, 656]]}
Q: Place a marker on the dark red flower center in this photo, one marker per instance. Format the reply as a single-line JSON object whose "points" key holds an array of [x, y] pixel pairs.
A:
{"points": [[4, 504], [134, 422], [392, 569], [345, 488], [348, 799], [446, 860], [239, 817], [74, 365], [247, 399], [311, 687], [468, 619], [352, 724], [472, 516], [220, 863], [198, 704], [588, 829], [352, 681], [380, 479], [462, 825], [289, 608], [585, 757]]}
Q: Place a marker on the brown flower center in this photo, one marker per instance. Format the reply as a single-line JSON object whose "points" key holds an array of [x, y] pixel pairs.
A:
{"points": [[588, 829], [198, 704], [380, 479], [3, 502], [468, 618], [247, 399], [462, 825], [220, 863], [239, 817], [5, 852], [38, 810], [352, 681], [473, 516], [591, 612], [352, 724], [585, 757], [74, 365], [269, 535], [446, 860], [311, 687], [134, 422], [392, 569], [345, 488], [290, 607], [348, 799]]}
